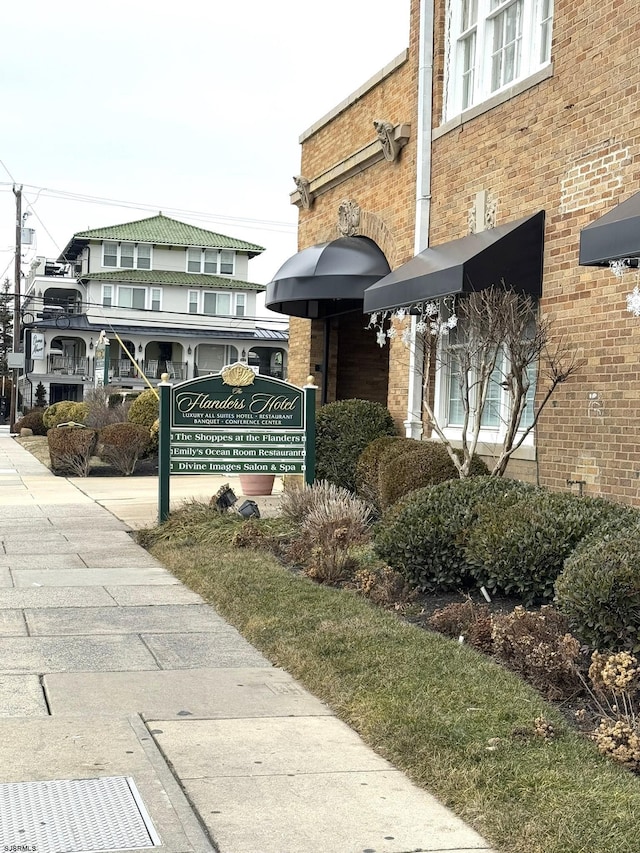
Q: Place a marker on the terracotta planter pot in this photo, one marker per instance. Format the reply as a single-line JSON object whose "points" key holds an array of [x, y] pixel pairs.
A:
{"points": [[256, 484]]}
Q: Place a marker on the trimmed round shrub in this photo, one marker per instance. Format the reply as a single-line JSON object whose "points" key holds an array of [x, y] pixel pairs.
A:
{"points": [[65, 412], [343, 430], [411, 465], [519, 547], [71, 449], [368, 468], [33, 421], [423, 535], [123, 444], [599, 591], [144, 409]]}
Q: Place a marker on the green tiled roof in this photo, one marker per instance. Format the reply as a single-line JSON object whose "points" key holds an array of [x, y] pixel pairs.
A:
{"points": [[162, 231], [183, 279]]}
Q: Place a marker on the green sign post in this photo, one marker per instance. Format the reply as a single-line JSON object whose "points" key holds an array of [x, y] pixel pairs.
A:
{"points": [[234, 422]]}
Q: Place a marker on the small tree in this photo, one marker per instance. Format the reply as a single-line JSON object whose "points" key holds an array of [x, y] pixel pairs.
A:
{"points": [[41, 396], [488, 340]]}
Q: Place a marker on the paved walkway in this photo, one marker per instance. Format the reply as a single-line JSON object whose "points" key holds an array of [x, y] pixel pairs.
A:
{"points": [[183, 735]]}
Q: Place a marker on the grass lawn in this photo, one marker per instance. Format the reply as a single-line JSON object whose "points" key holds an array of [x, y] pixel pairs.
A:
{"points": [[454, 721]]}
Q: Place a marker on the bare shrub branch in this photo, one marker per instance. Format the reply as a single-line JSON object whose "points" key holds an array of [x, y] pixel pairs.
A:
{"points": [[500, 339]]}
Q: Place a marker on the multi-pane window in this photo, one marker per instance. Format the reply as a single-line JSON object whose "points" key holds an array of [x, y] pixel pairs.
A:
{"points": [[493, 44], [125, 296], [226, 262], [506, 53], [126, 255], [211, 261], [217, 303], [546, 20], [460, 389], [492, 410], [144, 257], [131, 297], [467, 48], [194, 259], [109, 254]]}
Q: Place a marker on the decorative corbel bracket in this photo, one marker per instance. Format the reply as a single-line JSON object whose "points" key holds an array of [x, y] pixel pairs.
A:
{"points": [[390, 139], [304, 190]]}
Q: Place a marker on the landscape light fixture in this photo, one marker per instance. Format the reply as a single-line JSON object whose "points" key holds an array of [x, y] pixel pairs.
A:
{"points": [[224, 498], [248, 509]]}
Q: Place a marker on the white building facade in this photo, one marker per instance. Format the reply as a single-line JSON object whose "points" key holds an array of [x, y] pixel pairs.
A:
{"points": [[171, 297]]}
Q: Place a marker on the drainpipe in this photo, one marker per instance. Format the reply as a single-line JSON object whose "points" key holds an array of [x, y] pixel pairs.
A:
{"points": [[413, 424]]}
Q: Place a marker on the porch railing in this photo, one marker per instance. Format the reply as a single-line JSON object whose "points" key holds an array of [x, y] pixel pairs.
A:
{"points": [[121, 368], [67, 365]]}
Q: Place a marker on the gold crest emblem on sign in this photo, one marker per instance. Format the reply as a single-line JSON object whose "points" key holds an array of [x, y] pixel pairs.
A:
{"points": [[238, 375]]}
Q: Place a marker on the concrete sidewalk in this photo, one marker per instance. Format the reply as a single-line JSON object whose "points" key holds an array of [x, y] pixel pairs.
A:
{"points": [[133, 716]]}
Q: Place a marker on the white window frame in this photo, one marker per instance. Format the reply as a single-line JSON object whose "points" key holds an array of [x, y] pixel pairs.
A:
{"points": [[110, 254], [536, 22], [152, 298], [489, 434], [197, 297], [118, 255], [227, 258], [107, 296], [132, 287], [207, 259], [141, 260]]}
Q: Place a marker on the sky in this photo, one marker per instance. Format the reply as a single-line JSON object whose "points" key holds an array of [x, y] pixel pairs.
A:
{"points": [[113, 112]]}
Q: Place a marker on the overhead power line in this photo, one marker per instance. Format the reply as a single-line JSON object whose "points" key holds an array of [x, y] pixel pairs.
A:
{"points": [[247, 222], [38, 303]]}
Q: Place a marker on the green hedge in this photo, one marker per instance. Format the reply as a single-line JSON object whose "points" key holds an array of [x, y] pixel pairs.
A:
{"points": [[65, 411], [409, 465], [343, 430], [122, 444], [71, 449], [33, 421], [599, 590], [518, 547], [368, 468], [423, 535], [144, 409]]}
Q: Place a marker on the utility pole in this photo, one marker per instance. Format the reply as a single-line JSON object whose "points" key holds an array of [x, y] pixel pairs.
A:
{"points": [[17, 191]]}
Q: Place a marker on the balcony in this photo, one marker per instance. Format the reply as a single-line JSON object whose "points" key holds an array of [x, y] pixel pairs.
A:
{"points": [[122, 368], [66, 365]]}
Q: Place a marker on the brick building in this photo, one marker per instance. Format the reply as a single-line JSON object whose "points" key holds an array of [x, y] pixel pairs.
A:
{"points": [[534, 134]]}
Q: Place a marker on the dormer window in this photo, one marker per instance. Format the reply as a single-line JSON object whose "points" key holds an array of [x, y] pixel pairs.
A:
{"points": [[126, 255], [211, 261]]}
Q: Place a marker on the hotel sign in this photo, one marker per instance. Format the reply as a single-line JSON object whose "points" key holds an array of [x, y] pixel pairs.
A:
{"points": [[236, 422]]}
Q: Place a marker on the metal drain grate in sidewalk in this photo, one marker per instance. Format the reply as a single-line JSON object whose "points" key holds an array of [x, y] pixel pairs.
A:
{"points": [[74, 816]]}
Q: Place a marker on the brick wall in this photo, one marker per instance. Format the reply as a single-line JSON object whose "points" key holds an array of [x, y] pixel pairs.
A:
{"points": [[385, 194], [569, 145]]}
